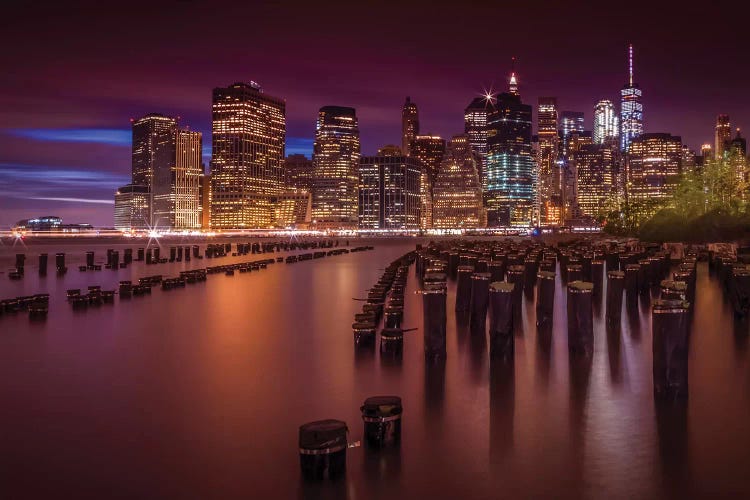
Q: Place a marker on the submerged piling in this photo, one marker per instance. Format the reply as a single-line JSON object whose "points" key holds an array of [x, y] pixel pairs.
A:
{"points": [[670, 348], [501, 320], [580, 318]]}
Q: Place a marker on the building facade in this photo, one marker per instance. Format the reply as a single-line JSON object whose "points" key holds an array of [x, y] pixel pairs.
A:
{"points": [[132, 207], [336, 153], [631, 108], [654, 165], [722, 135], [389, 192], [175, 192], [429, 150], [457, 191], [511, 189], [475, 127], [299, 172], [153, 146], [606, 126], [409, 125], [596, 173], [248, 141], [547, 157], [292, 209]]}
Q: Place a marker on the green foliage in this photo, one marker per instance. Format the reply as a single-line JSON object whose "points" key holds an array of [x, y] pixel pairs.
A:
{"points": [[708, 205]]}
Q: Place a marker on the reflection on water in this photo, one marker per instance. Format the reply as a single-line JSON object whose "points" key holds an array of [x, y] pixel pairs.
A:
{"points": [[198, 392]]}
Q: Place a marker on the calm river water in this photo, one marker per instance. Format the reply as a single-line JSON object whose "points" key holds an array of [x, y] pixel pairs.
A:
{"points": [[199, 392]]}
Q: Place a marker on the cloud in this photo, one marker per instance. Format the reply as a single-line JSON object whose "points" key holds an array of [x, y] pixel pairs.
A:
{"points": [[112, 137], [73, 200]]}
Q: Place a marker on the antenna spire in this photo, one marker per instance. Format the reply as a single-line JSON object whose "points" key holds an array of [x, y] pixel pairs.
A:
{"points": [[630, 63]]}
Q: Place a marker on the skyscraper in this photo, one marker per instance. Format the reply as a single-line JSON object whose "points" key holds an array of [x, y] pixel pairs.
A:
{"points": [[631, 108], [429, 150], [722, 135], [409, 125], [389, 191], [596, 177], [336, 161], [176, 185], [475, 126], [248, 140], [654, 165], [511, 190], [457, 193], [153, 146], [605, 122], [549, 171]]}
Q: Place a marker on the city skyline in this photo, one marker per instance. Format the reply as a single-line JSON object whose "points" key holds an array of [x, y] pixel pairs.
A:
{"points": [[75, 141]]}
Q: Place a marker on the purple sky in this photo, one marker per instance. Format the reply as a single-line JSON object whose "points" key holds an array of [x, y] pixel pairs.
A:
{"points": [[75, 73]]}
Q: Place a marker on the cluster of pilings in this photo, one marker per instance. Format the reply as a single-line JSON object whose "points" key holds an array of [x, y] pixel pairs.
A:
{"points": [[323, 443], [385, 300], [734, 278], [95, 296], [36, 305], [493, 277]]}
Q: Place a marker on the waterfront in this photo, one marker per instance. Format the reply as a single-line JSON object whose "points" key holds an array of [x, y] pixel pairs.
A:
{"points": [[198, 393]]}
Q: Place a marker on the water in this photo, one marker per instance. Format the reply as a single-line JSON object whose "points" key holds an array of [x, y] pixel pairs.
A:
{"points": [[199, 392]]}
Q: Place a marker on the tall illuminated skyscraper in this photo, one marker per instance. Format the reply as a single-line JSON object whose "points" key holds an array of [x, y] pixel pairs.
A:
{"points": [[475, 126], [457, 193], [299, 172], [248, 140], [549, 171], [176, 187], [511, 189], [722, 136], [336, 162], [153, 146], [409, 125], [429, 150], [606, 126], [631, 108]]}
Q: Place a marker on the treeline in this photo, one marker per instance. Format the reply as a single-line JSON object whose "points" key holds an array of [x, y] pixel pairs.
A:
{"points": [[709, 204]]}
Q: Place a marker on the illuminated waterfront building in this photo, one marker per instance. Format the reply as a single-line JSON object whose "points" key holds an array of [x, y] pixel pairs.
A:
{"points": [[389, 191], [132, 207], [409, 125], [706, 153], [511, 191], [596, 177], [457, 192], [475, 126], [654, 165], [722, 135], [299, 172], [175, 192], [429, 150], [336, 162], [631, 108], [549, 171], [570, 121], [292, 209], [248, 140], [605, 122]]}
